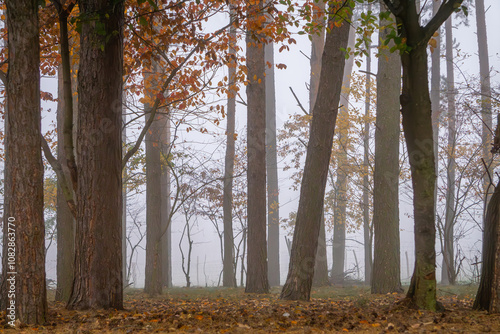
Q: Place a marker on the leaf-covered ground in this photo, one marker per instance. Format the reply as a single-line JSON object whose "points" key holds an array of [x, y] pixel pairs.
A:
{"points": [[331, 310]]}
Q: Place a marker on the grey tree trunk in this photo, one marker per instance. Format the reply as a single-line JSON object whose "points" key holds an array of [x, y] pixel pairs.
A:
{"points": [[166, 206], [228, 270], [257, 278], [124, 196], [367, 230], [436, 87], [448, 275], [23, 265], [317, 45], [484, 74], [319, 149], [99, 148], [386, 259], [273, 213], [65, 220], [340, 213]]}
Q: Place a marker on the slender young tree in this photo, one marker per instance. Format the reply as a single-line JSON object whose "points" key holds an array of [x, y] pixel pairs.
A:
{"points": [[23, 272], [312, 192], [417, 126], [98, 262], [448, 275], [228, 270], [386, 255], [257, 278]]}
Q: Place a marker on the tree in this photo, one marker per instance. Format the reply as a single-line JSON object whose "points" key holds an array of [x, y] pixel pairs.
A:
{"points": [[312, 192], [448, 273], [417, 127], [386, 260], [257, 278], [23, 281], [99, 150], [273, 213], [229, 274]]}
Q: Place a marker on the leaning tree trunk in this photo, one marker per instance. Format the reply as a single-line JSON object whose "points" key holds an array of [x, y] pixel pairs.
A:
{"points": [[228, 269], [65, 220], [319, 149], [386, 257], [487, 297], [23, 293], [448, 273], [98, 261], [257, 280]]}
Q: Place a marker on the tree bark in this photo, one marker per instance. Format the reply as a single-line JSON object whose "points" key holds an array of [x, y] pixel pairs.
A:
{"points": [[65, 220], [228, 270], [448, 274], [484, 74], [98, 281], [386, 260], [319, 149], [257, 278], [166, 206], [320, 277], [23, 293], [489, 284]]}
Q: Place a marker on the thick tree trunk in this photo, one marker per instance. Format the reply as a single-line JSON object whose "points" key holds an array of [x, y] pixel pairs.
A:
{"points": [[448, 275], [23, 292], [98, 281], [65, 220], [386, 260], [484, 74], [319, 149], [320, 277], [153, 280], [228, 270], [273, 208], [489, 285], [257, 281]]}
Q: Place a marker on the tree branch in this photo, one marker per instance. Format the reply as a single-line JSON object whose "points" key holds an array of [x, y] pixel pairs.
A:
{"points": [[444, 11]]}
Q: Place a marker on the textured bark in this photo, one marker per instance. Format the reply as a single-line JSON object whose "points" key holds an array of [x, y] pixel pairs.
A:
{"points": [[65, 220], [340, 213], [153, 272], [487, 297], [484, 74], [319, 149], [417, 127], [273, 209], [228, 271], [23, 226], [257, 281], [386, 260], [98, 281], [317, 44], [448, 274]]}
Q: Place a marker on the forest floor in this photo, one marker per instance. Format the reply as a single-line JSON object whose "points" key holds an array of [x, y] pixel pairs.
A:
{"points": [[218, 310]]}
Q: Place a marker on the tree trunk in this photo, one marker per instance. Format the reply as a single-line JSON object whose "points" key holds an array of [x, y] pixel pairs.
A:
{"points": [[489, 285], [386, 259], [228, 270], [367, 230], [340, 213], [153, 283], [436, 88], [23, 292], [448, 274], [273, 210], [166, 207], [257, 281], [124, 198], [65, 220], [320, 277], [98, 262], [484, 73], [319, 149]]}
